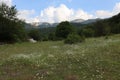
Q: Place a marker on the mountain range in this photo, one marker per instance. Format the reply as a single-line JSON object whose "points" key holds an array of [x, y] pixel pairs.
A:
{"points": [[75, 22]]}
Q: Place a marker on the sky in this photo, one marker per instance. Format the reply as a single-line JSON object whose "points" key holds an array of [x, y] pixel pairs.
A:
{"points": [[61, 10]]}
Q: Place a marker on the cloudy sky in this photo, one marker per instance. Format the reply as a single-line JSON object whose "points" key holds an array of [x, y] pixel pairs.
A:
{"points": [[61, 10]]}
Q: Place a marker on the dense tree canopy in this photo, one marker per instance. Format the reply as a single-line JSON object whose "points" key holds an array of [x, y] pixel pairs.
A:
{"points": [[11, 28], [64, 29], [8, 12], [35, 34]]}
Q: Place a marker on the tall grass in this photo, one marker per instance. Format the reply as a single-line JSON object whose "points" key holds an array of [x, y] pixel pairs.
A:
{"points": [[94, 59]]}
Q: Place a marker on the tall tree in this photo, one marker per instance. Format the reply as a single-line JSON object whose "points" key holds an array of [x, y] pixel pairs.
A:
{"points": [[64, 29], [8, 12], [11, 28]]}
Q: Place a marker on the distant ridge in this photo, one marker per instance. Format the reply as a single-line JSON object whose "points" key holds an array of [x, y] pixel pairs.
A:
{"points": [[74, 22], [77, 21], [90, 21], [81, 21]]}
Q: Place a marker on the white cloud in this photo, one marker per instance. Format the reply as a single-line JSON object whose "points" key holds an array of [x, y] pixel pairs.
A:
{"points": [[106, 14], [8, 2], [52, 14], [103, 14], [27, 15], [62, 13], [81, 14], [116, 9]]}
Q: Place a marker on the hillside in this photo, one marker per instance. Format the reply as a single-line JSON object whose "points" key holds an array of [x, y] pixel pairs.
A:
{"points": [[115, 19], [95, 59]]}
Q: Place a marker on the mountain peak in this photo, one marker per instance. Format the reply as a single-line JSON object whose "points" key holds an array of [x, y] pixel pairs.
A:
{"points": [[77, 20], [35, 23]]}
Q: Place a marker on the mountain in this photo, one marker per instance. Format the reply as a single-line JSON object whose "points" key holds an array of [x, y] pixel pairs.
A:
{"points": [[45, 25], [90, 21], [28, 26], [81, 21], [35, 23], [114, 23], [115, 19], [77, 21]]}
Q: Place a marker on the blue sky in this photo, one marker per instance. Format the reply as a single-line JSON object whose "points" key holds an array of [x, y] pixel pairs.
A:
{"points": [[87, 5], [60, 10]]}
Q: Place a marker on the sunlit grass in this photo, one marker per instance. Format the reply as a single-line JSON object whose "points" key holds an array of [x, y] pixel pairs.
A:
{"points": [[94, 59]]}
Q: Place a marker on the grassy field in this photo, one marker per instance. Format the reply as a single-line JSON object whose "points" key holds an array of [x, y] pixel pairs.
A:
{"points": [[94, 59]]}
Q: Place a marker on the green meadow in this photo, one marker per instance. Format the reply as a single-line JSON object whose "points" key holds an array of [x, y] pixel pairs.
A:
{"points": [[94, 59]]}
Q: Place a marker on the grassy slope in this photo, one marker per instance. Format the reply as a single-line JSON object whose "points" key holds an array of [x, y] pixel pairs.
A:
{"points": [[95, 59]]}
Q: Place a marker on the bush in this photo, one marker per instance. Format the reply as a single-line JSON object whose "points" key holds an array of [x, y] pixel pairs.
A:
{"points": [[45, 38], [35, 34], [52, 36], [88, 32], [73, 38]]}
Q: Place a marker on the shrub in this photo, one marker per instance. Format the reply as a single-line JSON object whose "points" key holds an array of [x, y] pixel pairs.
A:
{"points": [[45, 38], [88, 32], [35, 34], [52, 36], [73, 38]]}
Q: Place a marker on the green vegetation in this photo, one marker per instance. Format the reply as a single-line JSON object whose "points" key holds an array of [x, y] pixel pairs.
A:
{"points": [[95, 59], [52, 36], [35, 34], [64, 29], [73, 38], [11, 29], [102, 27]]}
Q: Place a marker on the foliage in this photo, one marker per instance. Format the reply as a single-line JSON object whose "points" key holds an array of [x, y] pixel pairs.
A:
{"points": [[35, 34], [87, 32], [52, 36], [64, 29], [45, 38], [8, 12], [11, 29], [101, 28], [73, 38]]}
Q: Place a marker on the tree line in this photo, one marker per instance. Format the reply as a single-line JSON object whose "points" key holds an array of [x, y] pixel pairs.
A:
{"points": [[13, 30]]}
